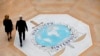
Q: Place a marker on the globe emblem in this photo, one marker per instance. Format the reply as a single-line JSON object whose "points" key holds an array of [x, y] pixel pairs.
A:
{"points": [[52, 35]]}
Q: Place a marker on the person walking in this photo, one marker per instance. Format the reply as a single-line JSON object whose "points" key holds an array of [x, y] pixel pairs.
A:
{"points": [[8, 26], [21, 26]]}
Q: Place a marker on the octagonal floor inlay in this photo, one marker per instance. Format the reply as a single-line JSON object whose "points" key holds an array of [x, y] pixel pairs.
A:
{"points": [[55, 35]]}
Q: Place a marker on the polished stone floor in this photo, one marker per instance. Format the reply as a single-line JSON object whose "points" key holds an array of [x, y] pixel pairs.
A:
{"points": [[87, 11]]}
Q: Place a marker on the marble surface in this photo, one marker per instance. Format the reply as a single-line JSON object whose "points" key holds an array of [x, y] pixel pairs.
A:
{"points": [[85, 10], [33, 50]]}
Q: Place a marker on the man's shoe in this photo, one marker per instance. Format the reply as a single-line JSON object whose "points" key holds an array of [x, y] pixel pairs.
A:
{"points": [[23, 39], [21, 45]]}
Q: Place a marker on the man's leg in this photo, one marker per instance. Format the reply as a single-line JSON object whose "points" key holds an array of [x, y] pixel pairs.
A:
{"points": [[20, 35], [24, 35]]}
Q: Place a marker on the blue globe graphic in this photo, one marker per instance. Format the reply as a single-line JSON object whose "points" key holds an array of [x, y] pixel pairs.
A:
{"points": [[52, 35]]}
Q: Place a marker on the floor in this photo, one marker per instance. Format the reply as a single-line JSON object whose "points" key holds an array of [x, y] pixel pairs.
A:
{"points": [[87, 11], [74, 47]]}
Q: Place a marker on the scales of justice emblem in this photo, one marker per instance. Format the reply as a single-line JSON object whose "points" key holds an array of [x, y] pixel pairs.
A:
{"points": [[54, 37]]}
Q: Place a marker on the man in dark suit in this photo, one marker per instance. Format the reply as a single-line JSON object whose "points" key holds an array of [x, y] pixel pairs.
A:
{"points": [[21, 26], [8, 26]]}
